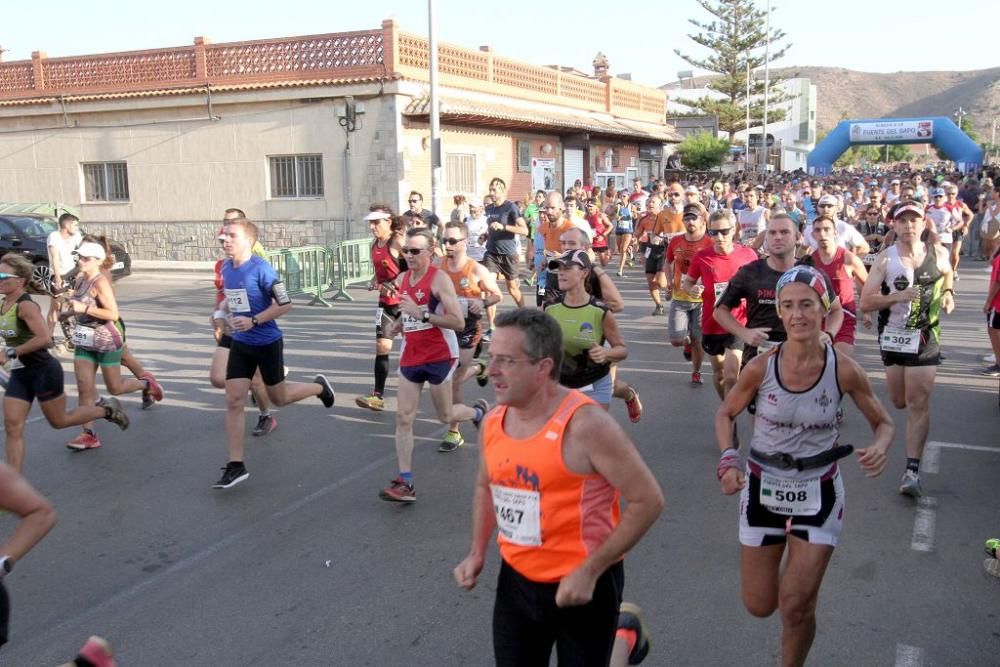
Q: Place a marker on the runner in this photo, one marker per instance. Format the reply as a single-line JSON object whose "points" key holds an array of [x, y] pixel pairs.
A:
{"points": [[602, 227], [910, 285], [586, 324], [61, 244], [714, 267], [669, 223], [98, 336], [34, 373], [255, 299], [962, 217], [684, 320], [991, 308], [547, 453], [843, 269], [476, 290], [501, 257], [387, 261], [792, 495], [554, 223], [651, 250], [874, 229], [847, 235], [429, 317], [752, 220], [623, 230]]}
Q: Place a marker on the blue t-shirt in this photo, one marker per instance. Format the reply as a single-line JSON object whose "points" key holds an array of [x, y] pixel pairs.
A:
{"points": [[248, 293]]}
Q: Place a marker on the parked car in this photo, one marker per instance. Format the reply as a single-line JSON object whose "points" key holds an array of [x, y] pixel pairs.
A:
{"points": [[27, 234]]}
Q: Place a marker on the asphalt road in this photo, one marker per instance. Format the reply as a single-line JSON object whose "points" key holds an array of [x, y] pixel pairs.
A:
{"points": [[303, 565]]}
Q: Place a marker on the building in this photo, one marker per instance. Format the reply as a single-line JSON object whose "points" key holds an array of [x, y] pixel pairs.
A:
{"points": [[793, 138], [303, 133]]}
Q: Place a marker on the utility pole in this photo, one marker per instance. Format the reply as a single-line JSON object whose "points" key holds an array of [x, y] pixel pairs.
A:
{"points": [[767, 85], [435, 114], [746, 155], [960, 114]]}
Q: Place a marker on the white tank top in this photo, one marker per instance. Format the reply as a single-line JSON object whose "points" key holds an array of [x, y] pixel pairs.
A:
{"points": [[943, 222], [799, 423], [751, 224]]}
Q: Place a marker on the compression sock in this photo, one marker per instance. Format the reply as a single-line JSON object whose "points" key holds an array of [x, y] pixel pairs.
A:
{"points": [[407, 477], [913, 464], [381, 372]]}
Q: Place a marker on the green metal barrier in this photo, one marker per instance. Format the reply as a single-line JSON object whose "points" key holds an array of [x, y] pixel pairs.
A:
{"points": [[305, 270], [352, 264]]}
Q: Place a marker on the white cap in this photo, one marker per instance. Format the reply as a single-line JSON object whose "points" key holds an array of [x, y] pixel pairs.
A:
{"points": [[377, 215], [476, 202], [91, 249]]}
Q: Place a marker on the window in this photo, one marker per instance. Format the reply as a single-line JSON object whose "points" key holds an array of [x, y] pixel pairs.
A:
{"points": [[523, 155], [460, 173], [296, 176], [105, 181]]}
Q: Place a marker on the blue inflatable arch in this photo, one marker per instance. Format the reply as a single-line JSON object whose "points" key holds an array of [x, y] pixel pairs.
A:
{"points": [[937, 130]]}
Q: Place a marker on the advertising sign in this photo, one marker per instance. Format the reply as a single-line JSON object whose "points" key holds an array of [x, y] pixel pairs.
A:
{"points": [[543, 174], [893, 130]]}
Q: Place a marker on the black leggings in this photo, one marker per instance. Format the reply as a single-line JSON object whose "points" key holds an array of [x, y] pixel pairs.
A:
{"points": [[527, 622]]}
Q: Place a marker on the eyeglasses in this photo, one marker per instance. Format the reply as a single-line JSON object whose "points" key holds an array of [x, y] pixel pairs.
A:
{"points": [[452, 241], [673, 194], [826, 206], [720, 232], [872, 213], [412, 251], [504, 362]]}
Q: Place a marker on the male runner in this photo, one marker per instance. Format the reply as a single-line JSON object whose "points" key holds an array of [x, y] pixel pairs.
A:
{"points": [[651, 250], [387, 261], [501, 256], [61, 244], [847, 235], [429, 317], [684, 319], [553, 467], [910, 285], [255, 298], [476, 291], [553, 223]]}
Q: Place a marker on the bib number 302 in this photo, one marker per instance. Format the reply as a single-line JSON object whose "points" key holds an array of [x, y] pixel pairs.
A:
{"points": [[906, 341]]}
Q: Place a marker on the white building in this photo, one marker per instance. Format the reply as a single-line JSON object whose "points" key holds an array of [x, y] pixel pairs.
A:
{"points": [[794, 137]]}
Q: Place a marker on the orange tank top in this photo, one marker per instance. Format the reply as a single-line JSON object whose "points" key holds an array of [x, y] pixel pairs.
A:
{"points": [[466, 285], [549, 518]]}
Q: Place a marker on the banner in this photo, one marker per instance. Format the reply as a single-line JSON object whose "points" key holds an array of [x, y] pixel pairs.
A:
{"points": [[543, 174], [892, 130]]}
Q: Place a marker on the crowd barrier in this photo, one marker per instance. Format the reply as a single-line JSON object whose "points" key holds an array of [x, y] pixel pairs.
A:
{"points": [[315, 270]]}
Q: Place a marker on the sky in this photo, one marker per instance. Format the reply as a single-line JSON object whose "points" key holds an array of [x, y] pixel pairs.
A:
{"points": [[853, 34]]}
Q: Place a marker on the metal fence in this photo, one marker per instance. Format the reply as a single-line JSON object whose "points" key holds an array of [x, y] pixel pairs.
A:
{"points": [[316, 269]]}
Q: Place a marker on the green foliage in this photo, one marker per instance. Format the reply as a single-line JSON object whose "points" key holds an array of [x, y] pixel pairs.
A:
{"points": [[735, 38], [702, 151], [896, 153]]}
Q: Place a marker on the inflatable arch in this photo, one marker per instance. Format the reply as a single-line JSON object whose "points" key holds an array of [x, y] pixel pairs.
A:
{"points": [[937, 130]]}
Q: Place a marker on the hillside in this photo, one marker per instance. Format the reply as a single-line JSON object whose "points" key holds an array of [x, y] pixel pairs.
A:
{"points": [[841, 92]]}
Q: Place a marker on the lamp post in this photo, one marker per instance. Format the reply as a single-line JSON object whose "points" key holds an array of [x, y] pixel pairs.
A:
{"points": [[435, 114], [960, 114], [767, 85]]}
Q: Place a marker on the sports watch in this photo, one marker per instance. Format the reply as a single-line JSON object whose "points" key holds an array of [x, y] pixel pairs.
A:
{"points": [[6, 565], [11, 353], [426, 317]]}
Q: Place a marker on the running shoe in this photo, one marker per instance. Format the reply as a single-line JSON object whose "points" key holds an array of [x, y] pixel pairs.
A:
{"points": [[96, 652], [634, 406], [234, 473], [86, 440], [482, 377], [687, 351], [488, 335], [992, 567], [147, 400], [372, 401], [452, 441], [991, 371], [398, 491], [990, 359], [113, 412], [265, 424], [658, 310], [328, 396], [992, 545], [155, 391], [696, 379], [630, 618], [483, 409], [621, 274], [910, 485]]}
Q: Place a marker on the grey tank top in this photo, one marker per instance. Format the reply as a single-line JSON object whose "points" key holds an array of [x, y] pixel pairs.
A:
{"points": [[799, 423]]}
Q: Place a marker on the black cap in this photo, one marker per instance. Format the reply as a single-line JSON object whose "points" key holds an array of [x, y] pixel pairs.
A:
{"points": [[691, 210]]}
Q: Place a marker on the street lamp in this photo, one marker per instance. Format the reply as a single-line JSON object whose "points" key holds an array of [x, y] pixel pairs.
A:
{"points": [[960, 114]]}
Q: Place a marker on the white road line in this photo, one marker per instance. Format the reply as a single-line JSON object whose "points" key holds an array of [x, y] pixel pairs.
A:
{"points": [[957, 445], [930, 463], [909, 656], [923, 525]]}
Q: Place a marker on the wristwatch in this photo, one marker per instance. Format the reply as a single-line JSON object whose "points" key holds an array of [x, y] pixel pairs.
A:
{"points": [[254, 321], [426, 317], [11, 353], [6, 565]]}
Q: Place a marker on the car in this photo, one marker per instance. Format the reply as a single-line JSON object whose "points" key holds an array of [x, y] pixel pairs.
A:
{"points": [[27, 234]]}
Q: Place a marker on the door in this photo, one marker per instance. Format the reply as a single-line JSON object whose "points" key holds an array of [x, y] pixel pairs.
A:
{"points": [[572, 167]]}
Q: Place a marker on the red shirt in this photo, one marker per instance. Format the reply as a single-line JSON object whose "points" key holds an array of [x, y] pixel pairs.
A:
{"points": [[995, 278], [600, 230], [715, 271], [424, 343], [386, 269]]}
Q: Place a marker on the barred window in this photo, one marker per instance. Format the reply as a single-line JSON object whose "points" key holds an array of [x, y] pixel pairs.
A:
{"points": [[105, 181], [523, 155], [460, 173], [295, 176]]}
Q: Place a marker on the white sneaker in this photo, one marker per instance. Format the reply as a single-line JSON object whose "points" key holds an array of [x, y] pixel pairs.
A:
{"points": [[910, 485], [990, 359]]}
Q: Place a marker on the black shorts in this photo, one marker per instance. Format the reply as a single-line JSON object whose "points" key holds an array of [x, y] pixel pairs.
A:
{"points": [[470, 336], [527, 622], [602, 251], [654, 263], [928, 354], [717, 344], [225, 341], [44, 382], [993, 319], [385, 317], [506, 265], [244, 360]]}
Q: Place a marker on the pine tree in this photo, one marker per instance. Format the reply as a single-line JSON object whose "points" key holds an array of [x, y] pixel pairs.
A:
{"points": [[736, 36]]}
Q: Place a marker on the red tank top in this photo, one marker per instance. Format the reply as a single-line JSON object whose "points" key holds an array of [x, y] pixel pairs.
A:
{"points": [[424, 343], [386, 270], [842, 283], [549, 519]]}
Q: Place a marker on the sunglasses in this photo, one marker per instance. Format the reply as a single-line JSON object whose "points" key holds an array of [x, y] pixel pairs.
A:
{"points": [[826, 206], [415, 201], [452, 241], [673, 194], [5, 276], [412, 251], [720, 232]]}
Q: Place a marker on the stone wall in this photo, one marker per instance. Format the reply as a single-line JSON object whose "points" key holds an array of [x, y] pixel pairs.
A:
{"points": [[196, 240]]}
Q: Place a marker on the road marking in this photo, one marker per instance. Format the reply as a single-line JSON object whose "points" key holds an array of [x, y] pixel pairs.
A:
{"points": [[932, 458], [957, 445], [923, 525], [909, 656]]}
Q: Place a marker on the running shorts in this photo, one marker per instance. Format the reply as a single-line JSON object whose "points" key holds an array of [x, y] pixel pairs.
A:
{"points": [[928, 354], [385, 317], [684, 319], [599, 390], [244, 360], [993, 319], [506, 265], [655, 259], [44, 382], [434, 373], [225, 341], [760, 527], [848, 330], [717, 344]]}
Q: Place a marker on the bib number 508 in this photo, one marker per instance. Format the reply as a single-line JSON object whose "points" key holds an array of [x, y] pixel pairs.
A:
{"points": [[790, 496]]}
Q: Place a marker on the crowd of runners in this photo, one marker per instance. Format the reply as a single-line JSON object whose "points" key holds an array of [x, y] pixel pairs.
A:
{"points": [[768, 280]]}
